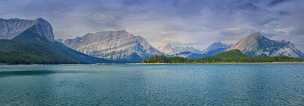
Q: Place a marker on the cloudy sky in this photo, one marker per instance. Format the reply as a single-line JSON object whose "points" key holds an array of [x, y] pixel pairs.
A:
{"points": [[193, 22]]}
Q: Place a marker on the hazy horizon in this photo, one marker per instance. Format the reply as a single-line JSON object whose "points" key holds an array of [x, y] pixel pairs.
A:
{"points": [[193, 22]]}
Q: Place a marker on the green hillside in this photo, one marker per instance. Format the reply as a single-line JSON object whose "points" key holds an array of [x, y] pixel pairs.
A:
{"points": [[232, 56], [30, 48], [14, 52]]}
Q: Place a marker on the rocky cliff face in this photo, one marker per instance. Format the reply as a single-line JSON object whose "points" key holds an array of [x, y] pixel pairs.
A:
{"points": [[10, 28], [115, 45], [258, 45]]}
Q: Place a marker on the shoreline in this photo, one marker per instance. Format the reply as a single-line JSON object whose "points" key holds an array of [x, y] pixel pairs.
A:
{"points": [[166, 63], [227, 63]]}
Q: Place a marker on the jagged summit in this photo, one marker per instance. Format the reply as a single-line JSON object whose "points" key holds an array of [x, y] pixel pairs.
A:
{"points": [[116, 45], [10, 28]]}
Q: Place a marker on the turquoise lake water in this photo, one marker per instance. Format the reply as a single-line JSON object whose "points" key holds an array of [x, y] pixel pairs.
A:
{"points": [[152, 85]]}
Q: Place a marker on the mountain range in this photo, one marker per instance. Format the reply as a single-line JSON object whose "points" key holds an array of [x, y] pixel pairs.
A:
{"points": [[32, 42], [255, 44]]}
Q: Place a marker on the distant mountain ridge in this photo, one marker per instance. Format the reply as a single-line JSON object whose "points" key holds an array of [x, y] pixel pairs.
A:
{"points": [[32, 42], [258, 45], [215, 48], [116, 45], [181, 50]]}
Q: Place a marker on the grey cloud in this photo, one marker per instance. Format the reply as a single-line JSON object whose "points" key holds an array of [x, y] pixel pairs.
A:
{"points": [[187, 21]]}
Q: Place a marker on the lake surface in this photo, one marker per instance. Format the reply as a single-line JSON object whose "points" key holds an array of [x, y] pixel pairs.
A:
{"points": [[152, 85]]}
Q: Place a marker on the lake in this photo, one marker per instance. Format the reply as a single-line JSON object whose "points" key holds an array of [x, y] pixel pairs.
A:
{"points": [[152, 85]]}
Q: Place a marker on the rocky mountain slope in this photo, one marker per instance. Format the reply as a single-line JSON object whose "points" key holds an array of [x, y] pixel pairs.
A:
{"points": [[258, 45], [115, 45], [32, 42]]}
